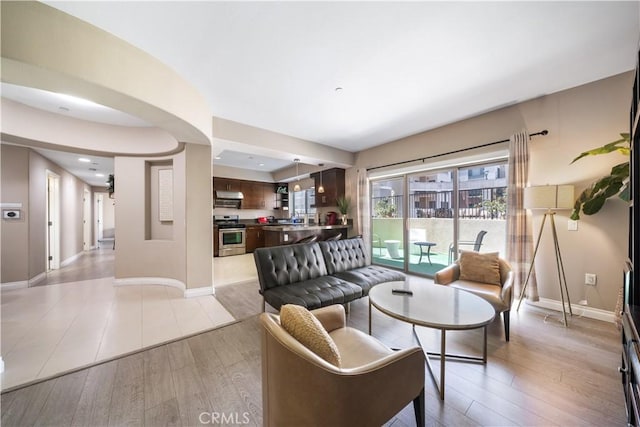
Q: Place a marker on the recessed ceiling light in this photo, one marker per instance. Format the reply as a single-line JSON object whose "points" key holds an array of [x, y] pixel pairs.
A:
{"points": [[93, 169], [217, 157], [63, 108], [260, 164], [99, 175], [338, 89], [84, 160]]}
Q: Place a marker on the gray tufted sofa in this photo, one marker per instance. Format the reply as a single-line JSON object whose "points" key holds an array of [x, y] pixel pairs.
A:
{"points": [[318, 274]]}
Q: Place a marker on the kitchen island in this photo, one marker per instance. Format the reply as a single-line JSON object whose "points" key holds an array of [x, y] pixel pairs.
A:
{"points": [[277, 235]]}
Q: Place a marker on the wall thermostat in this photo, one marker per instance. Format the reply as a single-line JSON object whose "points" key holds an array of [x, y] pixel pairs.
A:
{"points": [[11, 214]]}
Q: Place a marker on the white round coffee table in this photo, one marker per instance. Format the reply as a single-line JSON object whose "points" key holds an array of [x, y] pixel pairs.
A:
{"points": [[438, 307]]}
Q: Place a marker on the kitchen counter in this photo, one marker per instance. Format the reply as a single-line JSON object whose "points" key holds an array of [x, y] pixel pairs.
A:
{"points": [[300, 227], [279, 234]]}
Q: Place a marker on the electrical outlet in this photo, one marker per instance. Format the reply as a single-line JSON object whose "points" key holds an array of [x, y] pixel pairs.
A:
{"points": [[583, 302], [286, 237], [572, 225], [590, 279]]}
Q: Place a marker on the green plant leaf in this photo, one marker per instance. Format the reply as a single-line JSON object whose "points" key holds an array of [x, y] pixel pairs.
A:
{"points": [[621, 145], [625, 193], [592, 198], [593, 205]]}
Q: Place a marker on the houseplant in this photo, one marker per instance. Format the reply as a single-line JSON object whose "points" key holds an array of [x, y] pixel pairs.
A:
{"points": [[593, 197], [385, 209], [344, 204]]}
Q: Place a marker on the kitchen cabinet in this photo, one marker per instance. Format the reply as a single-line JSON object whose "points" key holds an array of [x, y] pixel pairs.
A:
{"points": [[257, 195], [255, 237], [333, 183], [226, 184]]}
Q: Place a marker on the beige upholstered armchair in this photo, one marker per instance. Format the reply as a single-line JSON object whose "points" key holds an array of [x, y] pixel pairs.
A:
{"points": [[498, 292], [371, 385]]}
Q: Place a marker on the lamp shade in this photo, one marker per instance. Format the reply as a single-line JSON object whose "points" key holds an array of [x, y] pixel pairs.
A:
{"points": [[549, 197]]}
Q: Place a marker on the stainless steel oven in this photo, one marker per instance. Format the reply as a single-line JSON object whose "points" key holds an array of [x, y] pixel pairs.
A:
{"points": [[231, 235], [232, 241]]}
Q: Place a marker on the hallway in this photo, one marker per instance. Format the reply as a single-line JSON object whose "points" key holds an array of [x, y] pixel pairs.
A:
{"points": [[93, 264], [77, 317]]}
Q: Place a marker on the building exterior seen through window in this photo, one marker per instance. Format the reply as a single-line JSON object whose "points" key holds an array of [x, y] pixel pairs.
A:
{"points": [[482, 193]]}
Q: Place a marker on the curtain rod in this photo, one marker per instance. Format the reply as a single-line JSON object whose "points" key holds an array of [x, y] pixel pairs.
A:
{"points": [[542, 132]]}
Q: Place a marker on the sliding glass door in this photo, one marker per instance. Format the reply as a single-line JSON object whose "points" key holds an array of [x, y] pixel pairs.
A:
{"points": [[387, 211], [482, 208], [444, 211], [430, 220]]}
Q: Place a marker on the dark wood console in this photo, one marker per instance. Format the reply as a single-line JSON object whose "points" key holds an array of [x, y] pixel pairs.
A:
{"points": [[630, 364]]}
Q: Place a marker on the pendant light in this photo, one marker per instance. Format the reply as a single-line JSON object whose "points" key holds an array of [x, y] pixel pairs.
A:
{"points": [[321, 187], [297, 186]]}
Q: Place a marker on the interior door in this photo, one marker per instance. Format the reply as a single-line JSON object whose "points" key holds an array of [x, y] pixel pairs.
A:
{"points": [[53, 221], [86, 220], [99, 217]]}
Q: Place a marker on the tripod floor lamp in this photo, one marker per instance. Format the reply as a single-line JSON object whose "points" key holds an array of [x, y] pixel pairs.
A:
{"points": [[551, 198]]}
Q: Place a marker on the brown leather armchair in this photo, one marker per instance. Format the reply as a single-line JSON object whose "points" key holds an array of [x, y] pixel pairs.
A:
{"points": [[372, 384], [499, 296]]}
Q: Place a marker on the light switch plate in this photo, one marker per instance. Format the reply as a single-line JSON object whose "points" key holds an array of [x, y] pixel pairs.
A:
{"points": [[572, 225], [11, 214]]}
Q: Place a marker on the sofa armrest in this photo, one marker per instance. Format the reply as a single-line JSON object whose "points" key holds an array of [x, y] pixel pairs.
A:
{"points": [[332, 317], [447, 275]]}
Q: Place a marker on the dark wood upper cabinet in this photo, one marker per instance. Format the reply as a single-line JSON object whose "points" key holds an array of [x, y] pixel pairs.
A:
{"points": [[226, 184], [257, 195], [333, 183]]}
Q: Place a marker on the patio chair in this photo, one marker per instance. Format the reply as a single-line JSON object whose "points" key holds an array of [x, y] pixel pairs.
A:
{"points": [[475, 243]]}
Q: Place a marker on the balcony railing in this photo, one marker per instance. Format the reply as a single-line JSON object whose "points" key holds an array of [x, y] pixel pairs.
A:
{"points": [[485, 203]]}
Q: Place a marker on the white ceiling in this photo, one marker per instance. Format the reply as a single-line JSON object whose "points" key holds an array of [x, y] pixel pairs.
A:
{"points": [[94, 172], [69, 105], [404, 67]]}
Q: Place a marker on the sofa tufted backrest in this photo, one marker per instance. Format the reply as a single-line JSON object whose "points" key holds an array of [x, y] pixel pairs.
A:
{"points": [[345, 254], [283, 265]]}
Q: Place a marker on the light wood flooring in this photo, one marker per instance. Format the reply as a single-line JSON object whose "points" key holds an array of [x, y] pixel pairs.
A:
{"points": [[546, 375]]}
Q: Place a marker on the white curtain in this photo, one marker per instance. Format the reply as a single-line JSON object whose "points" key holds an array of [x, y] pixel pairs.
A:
{"points": [[519, 234], [362, 205]]}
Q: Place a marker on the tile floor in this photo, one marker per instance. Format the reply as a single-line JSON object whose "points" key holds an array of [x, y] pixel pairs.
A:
{"points": [[47, 330]]}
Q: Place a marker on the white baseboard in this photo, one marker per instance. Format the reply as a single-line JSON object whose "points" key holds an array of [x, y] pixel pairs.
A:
{"points": [[39, 278], [580, 310], [164, 281], [199, 292], [71, 259], [9, 286]]}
